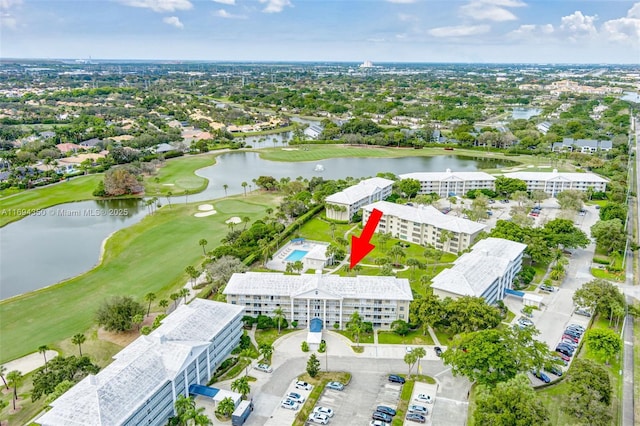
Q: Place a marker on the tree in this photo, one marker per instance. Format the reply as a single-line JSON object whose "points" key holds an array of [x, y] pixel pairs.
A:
{"points": [[15, 379], [419, 353], [241, 386], [163, 303], [116, 313], [203, 243], [571, 199], [226, 407], [71, 368], [383, 239], [397, 252], [355, 326], [601, 295], [427, 310], [43, 350], [266, 350], [562, 232], [613, 211], [496, 355], [590, 392], [193, 274], [78, 339], [184, 292], [121, 181], [244, 187], [539, 196], [137, 320], [278, 316], [313, 365], [507, 186], [149, 297], [468, 313], [408, 187], [445, 235], [520, 197], [3, 371], [537, 249], [513, 402], [225, 187], [609, 235], [245, 220], [298, 266], [603, 342], [413, 263], [410, 359], [60, 389], [224, 267], [400, 327], [169, 194]]}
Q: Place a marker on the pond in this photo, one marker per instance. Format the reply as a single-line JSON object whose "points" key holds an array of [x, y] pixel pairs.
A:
{"points": [[64, 241], [525, 113], [631, 97]]}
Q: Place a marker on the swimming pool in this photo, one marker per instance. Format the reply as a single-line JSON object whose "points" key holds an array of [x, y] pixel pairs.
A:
{"points": [[296, 255]]}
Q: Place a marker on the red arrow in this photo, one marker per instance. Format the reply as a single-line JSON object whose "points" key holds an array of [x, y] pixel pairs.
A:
{"points": [[360, 246]]}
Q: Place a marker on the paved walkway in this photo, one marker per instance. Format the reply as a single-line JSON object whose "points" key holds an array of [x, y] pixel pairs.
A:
{"points": [[30, 362]]}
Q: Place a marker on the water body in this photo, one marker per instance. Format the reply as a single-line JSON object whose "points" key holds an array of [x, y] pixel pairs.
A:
{"points": [[525, 113], [631, 97], [64, 241]]}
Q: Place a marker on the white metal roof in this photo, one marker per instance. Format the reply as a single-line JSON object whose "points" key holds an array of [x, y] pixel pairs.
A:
{"points": [[427, 215], [359, 191], [555, 175], [115, 393], [319, 286], [473, 272], [447, 175]]}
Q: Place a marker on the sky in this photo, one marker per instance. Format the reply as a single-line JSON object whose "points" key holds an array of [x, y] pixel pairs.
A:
{"points": [[490, 31]]}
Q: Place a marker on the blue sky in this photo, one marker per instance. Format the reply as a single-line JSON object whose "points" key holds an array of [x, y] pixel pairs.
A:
{"points": [[547, 31]]}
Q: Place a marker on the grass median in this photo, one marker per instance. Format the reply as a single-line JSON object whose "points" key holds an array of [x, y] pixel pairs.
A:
{"points": [[149, 256]]}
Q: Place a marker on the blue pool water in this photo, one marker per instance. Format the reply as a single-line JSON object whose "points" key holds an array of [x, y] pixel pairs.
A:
{"points": [[296, 255]]}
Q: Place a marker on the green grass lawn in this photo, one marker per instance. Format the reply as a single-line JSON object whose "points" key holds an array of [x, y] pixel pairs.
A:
{"points": [[148, 256], [319, 229], [413, 338], [364, 338], [15, 207], [443, 336], [178, 176], [271, 335]]}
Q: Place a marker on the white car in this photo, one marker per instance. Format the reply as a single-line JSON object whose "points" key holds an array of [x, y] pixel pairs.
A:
{"points": [[408, 349], [303, 385], [424, 398], [320, 419], [289, 404], [378, 423], [295, 397], [323, 410], [264, 367]]}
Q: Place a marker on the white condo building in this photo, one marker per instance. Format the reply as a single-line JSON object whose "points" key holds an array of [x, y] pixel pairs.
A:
{"points": [[424, 225], [555, 182], [486, 271], [451, 183], [331, 298], [350, 200], [142, 383]]}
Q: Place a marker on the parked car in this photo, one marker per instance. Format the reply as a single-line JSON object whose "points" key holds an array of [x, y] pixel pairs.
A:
{"points": [[420, 409], [438, 351], [377, 415], [264, 367], [335, 386], [572, 333], [564, 352], [564, 358], [424, 398], [540, 375], [567, 347], [378, 423], [573, 345], [577, 327], [408, 349], [289, 404], [549, 288], [555, 370], [583, 311], [296, 397], [320, 419], [525, 321], [570, 337], [387, 410], [324, 410], [415, 417], [574, 330], [303, 385], [396, 379]]}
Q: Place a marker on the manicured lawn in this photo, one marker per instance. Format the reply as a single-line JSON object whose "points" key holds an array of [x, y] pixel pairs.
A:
{"points": [[443, 336], [178, 176], [550, 397], [15, 207], [271, 335], [364, 338], [319, 229], [148, 256], [413, 338]]}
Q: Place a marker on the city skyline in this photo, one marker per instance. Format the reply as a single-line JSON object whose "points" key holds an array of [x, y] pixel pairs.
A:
{"points": [[482, 31]]}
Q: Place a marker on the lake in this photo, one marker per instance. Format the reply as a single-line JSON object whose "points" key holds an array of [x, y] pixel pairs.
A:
{"points": [[64, 241], [631, 97], [525, 113]]}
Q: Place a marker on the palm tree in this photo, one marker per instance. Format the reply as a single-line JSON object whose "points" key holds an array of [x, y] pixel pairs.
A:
{"points": [[298, 266], [203, 243], [355, 326], [169, 194], [413, 263], [278, 316], [175, 297], [241, 386], [396, 251], [149, 297], [420, 353], [245, 220], [186, 196], [266, 350], [15, 378], [163, 303], [3, 370], [137, 320], [225, 407], [383, 238], [193, 274], [225, 187], [184, 292], [43, 350], [79, 339], [244, 186]]}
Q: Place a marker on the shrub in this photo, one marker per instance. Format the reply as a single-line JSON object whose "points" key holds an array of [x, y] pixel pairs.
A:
{"points": [[601, 261], [336, 326], [156, 322], [304, 346], [294, 324], [248, 321], [323, 347], [264, 322], [146, 330]]}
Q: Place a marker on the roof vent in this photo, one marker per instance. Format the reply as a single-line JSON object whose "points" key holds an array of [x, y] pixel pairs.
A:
{"points": [[93, 380], [448, 170]]}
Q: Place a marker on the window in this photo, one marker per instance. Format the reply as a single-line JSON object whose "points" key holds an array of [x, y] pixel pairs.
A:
{"points": [[401, 308]]}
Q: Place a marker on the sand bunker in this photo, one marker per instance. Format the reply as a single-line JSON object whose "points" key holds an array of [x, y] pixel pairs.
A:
{"points": [[290, 149], [234, 219], [205, 214], [168, 184], [205, 207]]}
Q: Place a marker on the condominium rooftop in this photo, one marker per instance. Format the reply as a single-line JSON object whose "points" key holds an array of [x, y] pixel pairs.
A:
{"points": [[361, 190], [447, 175], [318, 285], [474, 272], [555, 175], [139, 370], [427, 215]]}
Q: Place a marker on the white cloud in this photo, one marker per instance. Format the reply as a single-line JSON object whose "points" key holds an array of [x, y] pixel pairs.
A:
{"points": [[227, 2], [159, 5], [173, 21], [8, 21], [459, 31], [402, 1], [405, 17], [626, 28], [275, 6], [531, 31], [579, 24], [221, 13], [6, 4], [490, 10]]}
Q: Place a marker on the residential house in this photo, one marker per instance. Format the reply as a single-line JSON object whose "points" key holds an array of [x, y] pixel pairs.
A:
{"points": [[555, 182], [585, 146], [451, 183], [345, 204]]}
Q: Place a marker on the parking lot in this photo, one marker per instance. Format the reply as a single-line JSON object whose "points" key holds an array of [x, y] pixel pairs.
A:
{"points": [[283, 416], [425, 389]]}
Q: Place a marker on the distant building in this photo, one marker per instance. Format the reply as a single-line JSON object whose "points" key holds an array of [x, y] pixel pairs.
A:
{"points": [[544, 127], [313, 131], [69, 147], [485, 272], [345, 204], [451, 183], [424, 225], [47, 134], [588, 146], [332, 298], [366, 64], [143, 382], [555, 182], [90, 143]]}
